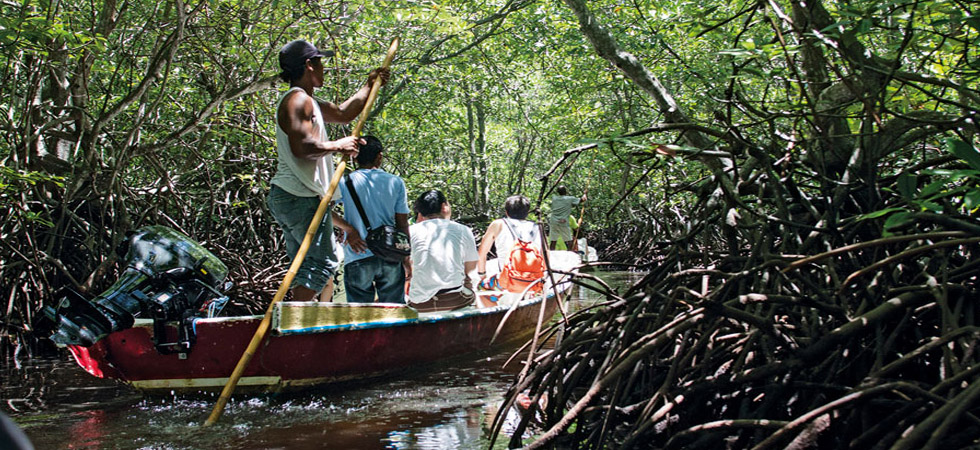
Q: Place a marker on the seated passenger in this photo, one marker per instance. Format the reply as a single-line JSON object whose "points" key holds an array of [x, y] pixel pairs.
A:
{"points": [[443, 256], [513, 237]]}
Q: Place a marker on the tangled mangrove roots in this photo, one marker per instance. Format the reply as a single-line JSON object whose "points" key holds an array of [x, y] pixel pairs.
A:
{"points": [[73, 242], [735, 339], [871, 346]]}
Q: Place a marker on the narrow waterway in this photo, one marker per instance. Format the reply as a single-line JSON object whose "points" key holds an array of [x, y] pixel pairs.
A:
{"points": [[449, 406]]}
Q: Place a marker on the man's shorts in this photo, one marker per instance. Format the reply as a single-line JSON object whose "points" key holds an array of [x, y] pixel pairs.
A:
{"points": [[294, 215], [560, 229]]}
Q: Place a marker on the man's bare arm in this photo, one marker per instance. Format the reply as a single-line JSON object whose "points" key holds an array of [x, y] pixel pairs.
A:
{"points": [[485, 244], [296, 120], [350, 108], [401, 222], [351, 236]]}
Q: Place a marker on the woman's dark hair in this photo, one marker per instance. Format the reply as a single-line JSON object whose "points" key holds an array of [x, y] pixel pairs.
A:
{"points": [[517, 207], [430, 202]]}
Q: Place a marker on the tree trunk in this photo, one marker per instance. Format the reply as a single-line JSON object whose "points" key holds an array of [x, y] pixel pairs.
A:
{"points": [[476, 130], [606, 47]]}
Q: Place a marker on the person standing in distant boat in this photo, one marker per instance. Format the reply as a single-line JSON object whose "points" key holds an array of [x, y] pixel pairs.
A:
{"points": [[305, 165], [561, 208], [443, 256]]}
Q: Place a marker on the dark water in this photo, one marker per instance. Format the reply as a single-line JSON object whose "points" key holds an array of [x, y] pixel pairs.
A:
{"points": [[449, 406]]}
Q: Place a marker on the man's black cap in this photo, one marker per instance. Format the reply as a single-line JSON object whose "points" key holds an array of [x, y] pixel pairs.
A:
{"points": [[294, 55]]}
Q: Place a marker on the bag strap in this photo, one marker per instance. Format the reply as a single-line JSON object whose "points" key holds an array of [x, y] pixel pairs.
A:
{"points": [[357, 201], [514, 233]]}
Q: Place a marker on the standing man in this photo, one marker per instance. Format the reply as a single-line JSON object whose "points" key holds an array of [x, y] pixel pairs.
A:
{"points": [[385, 202], [304, 165], [443, 256], [561, 208]]}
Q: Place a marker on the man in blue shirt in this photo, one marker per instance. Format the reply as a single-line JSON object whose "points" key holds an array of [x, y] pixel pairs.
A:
{"points": [[385, 202]]}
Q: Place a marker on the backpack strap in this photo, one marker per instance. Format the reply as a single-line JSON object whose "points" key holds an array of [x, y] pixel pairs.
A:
{"points": [[514, 233], [510, 228], [357, 201]]}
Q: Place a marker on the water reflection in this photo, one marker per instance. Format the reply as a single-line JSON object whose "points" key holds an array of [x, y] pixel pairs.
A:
{"points": [[450, 406]]}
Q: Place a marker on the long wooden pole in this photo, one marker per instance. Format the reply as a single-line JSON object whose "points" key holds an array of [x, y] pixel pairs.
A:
{"points": [[321, 210], [581, 216]]}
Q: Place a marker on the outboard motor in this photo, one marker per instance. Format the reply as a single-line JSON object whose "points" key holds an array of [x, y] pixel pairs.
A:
{"points": [[168, 277]]}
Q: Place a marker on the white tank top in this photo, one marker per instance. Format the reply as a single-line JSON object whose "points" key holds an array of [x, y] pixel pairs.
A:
{"points": [[524, 229], [298, 176]]}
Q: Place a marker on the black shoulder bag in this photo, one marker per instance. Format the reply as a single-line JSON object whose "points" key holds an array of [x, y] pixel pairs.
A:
{"points": [[387, 242]]}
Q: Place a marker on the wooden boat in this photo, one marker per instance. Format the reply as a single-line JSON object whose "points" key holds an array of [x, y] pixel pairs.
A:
{"points": [[315, 343]]}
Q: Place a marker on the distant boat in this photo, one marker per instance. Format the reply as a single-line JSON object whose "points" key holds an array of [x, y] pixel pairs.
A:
{"points": [[314, 343], [587, 252]]}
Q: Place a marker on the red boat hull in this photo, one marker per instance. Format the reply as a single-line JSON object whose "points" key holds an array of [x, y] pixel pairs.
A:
{"points": [[302, 358]]}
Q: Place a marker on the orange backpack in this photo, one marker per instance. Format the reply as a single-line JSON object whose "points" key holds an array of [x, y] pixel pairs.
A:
{"points": [[525, 266]]}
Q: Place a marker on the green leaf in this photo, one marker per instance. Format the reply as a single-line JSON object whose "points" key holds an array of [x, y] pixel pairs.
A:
{"points": [[32, 216], [932, 206], [907, 185], [932, 188], [879, 213], [864, 26], [964, 151], [897, 220], [972, 199]]}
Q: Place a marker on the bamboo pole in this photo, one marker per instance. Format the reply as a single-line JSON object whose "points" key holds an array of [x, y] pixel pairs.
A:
{"points": [[581, 217], [263, 329]]}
